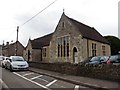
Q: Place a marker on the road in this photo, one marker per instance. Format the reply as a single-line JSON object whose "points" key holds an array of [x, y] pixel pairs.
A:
{"points": [[31, 80]]}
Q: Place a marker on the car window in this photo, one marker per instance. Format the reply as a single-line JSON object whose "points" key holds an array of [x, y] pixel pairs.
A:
{"points": [[95, 59], [104, 58], [113, 57], [18, 59], [119, 57]]}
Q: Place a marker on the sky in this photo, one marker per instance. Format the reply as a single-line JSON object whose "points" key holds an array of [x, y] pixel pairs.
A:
{"points": [[100, 14]]}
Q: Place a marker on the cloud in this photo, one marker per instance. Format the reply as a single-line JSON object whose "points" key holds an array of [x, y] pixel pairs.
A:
{"points": [[101, 14]]}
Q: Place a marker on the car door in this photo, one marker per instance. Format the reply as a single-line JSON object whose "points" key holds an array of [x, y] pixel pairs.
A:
{"points": [[8, 63]]}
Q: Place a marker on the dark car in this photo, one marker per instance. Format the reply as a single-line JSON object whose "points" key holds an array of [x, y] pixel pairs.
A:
{"points": [[98, 60], [114, 59], [86, 60]]}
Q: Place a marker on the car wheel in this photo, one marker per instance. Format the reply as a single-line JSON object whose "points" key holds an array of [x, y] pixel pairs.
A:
{"points": [[3, 66], [11, 68]]}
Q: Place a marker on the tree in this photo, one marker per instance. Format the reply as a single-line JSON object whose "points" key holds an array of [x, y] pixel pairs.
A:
{"points": [[114, 43]]}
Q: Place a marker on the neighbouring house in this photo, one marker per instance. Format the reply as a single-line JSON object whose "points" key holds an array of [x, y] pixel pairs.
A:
{"points": [[36, 49], [71, 41], [13, 49]]}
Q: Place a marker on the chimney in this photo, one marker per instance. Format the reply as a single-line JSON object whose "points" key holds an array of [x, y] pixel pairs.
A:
{"points": [[7, 43]]}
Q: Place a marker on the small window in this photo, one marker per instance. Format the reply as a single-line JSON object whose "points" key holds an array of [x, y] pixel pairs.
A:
{"points": [[44, 52], [103, 50], [94, 51], [63, 24]]}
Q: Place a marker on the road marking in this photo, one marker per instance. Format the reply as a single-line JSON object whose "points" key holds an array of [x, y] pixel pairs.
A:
{"points": [[28, 74], [32, 81], [3, 84], [51, 83], [36, 77], [76, 87]]}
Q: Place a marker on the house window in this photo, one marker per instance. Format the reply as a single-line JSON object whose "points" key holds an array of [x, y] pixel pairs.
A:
{"points": [[58, 50], [63, 46], [67, 46], [103, 50], [93, 49], [63, 25], [44, 52]]}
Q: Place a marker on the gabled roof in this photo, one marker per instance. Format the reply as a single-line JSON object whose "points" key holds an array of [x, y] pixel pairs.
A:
{"points": [[12, 45], [41, 41], [88, 32]]}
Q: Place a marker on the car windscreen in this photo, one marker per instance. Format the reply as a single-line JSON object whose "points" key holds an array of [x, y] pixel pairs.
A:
{"points": [[104, 58], [18, 59], [113, 58], [95, 59]]}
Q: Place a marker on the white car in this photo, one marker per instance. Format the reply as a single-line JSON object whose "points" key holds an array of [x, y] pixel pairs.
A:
{"points": [[3, 62], [1, 58], [16, 63]]}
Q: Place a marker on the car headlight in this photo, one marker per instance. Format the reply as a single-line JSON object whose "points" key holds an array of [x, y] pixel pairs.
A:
{"points": [[26, 64]]}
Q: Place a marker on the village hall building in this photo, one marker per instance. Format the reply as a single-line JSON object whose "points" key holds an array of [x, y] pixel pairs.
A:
{"points": [[72, 41]]}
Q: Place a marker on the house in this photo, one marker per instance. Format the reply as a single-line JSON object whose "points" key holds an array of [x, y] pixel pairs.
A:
{"points": [[35, 48], [71, 41], [13, 49]]}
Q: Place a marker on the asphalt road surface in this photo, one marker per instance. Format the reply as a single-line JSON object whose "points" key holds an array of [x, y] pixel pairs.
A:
{"points": [[24, 80]]}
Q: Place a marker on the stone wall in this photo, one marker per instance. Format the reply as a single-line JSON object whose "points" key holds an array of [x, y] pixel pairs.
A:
{"points": [[106, 72], [25, 53], [36, 54]]}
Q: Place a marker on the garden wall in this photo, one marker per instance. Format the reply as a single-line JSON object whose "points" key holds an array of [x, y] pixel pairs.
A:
{"points": [[106, 72]]}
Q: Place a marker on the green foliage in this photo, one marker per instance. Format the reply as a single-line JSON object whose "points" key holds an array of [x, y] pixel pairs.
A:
{"points": [[114, 43]]}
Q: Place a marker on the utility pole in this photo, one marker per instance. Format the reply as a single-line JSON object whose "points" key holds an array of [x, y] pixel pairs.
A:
{"points": [[17, 32], [16, 49]]}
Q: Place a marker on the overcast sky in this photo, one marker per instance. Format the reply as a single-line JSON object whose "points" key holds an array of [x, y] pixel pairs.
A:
{"points": [[100, 14]]}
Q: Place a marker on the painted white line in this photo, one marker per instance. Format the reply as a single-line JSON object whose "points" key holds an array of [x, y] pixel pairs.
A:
{"points": [[32, 81], [3, 84], [36, 77], [76, 87], [51, 83], [28, 74]]}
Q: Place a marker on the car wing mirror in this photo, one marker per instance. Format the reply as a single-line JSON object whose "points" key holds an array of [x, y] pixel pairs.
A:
{"points": [[10, 60]]}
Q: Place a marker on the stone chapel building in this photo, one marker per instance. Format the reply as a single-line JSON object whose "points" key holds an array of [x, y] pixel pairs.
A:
{"points": [[72, 41]]}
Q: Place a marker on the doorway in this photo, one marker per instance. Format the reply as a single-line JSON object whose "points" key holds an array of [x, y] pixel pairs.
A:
{"points": [[75, 55]]}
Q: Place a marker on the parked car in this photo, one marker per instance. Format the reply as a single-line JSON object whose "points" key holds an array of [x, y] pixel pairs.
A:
{"points": [[1, 58], [98, 60], [86, 60], [16, 63], [114, 59], [3, 62]]}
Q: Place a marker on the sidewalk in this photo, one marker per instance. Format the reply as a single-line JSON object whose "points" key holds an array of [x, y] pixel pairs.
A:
{"points": [[88, 82]]}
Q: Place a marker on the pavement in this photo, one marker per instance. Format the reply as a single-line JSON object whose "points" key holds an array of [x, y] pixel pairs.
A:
{"points": [[79, 80]]}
